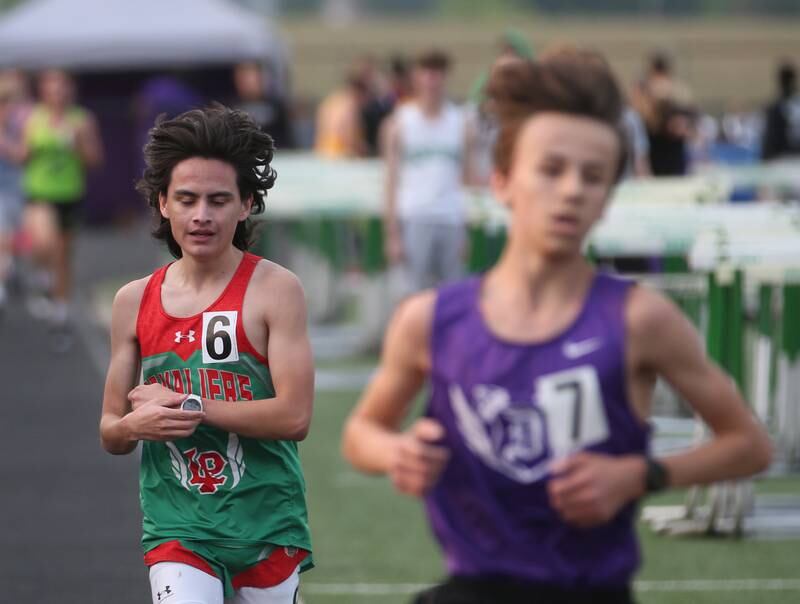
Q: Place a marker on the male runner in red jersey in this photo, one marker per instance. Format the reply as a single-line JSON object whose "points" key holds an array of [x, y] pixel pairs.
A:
{"points": [[222, 491]]}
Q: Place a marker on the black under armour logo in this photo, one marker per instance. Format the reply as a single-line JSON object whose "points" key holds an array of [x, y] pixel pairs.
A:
{"points": [[164, 593]]}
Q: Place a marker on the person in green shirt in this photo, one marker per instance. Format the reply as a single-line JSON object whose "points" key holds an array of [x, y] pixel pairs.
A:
{"points": [[62, 142]]}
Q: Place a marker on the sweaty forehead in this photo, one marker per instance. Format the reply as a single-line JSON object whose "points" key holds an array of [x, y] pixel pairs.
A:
{"points": [[200, 174], [577, 138]]}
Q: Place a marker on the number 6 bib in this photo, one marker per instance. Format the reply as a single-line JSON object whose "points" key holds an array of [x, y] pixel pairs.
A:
{"points": [[219, 337]]}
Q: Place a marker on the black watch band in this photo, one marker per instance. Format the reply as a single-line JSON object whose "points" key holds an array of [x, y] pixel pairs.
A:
{"points": [[657, 476]]}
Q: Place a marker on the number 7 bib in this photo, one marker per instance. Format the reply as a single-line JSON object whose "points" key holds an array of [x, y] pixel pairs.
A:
{"points": [[573, 406], [520, 439]]}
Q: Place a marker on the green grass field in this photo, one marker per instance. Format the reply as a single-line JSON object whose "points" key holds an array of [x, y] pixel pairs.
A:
{"points": [[372, 545]]}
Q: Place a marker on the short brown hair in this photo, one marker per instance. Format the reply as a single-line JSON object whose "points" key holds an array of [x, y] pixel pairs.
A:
{"points": [[434, 59], [219, 133], [567, 80]]}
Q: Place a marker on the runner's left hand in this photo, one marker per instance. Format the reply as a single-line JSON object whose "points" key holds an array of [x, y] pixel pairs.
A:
{"points": [[154, 394], [588, 489]]}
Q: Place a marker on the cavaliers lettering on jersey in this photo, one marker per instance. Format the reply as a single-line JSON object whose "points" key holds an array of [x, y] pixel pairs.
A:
{"points": [[509, 410], [215, 487]]}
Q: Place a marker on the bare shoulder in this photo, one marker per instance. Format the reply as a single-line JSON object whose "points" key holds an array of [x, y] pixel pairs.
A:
{"points": [[129, 296], [649, 311], [415, 314], [276, 286], [273, 275], [409, 332], [657, 329], [125, 309]]}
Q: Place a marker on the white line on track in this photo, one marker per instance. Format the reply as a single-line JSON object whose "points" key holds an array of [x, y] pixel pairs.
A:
{"points": [[361, 589], [93, 335], [720, 585], [687, 585]]}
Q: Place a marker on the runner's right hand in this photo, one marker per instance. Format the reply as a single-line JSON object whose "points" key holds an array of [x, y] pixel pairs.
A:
{"points": [[157, 422], [417, 462], [154, 394]]}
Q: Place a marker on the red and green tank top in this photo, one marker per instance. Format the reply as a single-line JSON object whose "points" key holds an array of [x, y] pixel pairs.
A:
{"points": [[215, 487]]}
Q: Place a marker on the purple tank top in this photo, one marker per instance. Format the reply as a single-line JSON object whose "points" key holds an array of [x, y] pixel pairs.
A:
{"points": [[509, 410]]}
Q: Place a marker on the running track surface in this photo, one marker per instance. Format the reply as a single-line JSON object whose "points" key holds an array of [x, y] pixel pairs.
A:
{"points": [[70, 512]]}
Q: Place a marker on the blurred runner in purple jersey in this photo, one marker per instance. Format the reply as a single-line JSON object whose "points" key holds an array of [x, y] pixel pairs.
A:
{"points": [[534, 447]]}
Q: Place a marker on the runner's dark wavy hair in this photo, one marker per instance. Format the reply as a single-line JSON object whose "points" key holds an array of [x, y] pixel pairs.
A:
{"points": [[216, 132]]}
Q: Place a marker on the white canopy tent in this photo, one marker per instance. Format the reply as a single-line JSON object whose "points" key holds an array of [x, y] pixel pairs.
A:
{"points": [[109, 35], [115, 47]]}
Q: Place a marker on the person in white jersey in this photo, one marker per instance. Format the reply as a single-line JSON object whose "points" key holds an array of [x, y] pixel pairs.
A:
{"points": [[427, 149]]}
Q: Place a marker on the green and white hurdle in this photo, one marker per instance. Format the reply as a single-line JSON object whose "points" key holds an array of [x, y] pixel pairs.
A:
{"points": [[753, 300]]}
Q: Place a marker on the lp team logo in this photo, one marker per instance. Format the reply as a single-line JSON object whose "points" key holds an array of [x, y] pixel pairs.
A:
{"points": [[521, 439], [206, 470]]}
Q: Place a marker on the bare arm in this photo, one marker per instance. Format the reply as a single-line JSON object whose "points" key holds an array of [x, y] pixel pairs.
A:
{"points": [[351, 130], [390, 149], [286, 416], [641, 166], [372, 440], [90, 146], [589, 489], [122, 374], [121, 428], [665, 342]]}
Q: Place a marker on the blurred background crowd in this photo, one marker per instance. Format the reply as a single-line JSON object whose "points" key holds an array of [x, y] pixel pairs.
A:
{"points": [[308, 73], [323, 78]]}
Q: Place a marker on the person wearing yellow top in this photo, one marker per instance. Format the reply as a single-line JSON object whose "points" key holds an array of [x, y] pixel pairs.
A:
{"points": [[339, 131], [62, 141]]}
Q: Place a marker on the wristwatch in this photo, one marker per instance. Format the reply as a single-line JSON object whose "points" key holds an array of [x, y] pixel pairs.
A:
{"points": [[192, 403], [656, 477]]}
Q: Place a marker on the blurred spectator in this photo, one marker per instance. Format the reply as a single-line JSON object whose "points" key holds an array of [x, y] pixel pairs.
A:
{"points": [[62, 142], [742, 127], [23, 104], [399, 79], [733, 140], [165, 94], [12, 153], [666, 107], [258, 98], [782, 117], [708, 143], [637, 164], [377, 103], [428, 152], [340, 132], [303, 122], [512, 47]]}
